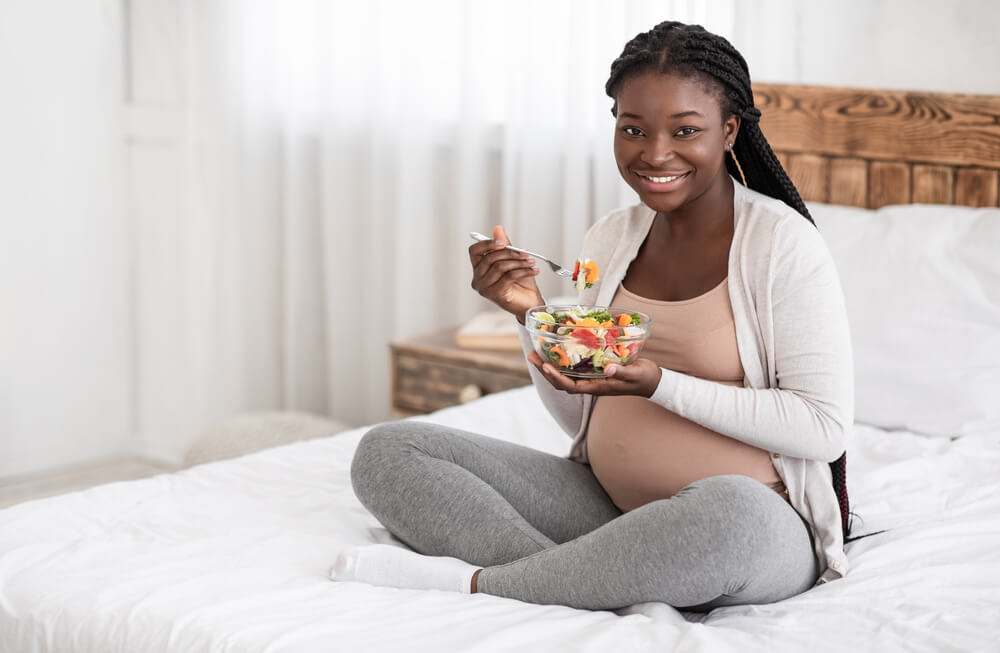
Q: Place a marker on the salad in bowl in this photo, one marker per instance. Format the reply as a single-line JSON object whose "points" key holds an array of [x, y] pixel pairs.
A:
{"points": [[582, 341]]}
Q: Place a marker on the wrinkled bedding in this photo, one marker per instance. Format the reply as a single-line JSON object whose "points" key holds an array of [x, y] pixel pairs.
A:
{"points": [[234, 556]]}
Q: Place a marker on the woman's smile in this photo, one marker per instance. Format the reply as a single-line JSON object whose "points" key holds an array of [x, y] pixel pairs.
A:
{"points": [[670, 141], [662, 182]]}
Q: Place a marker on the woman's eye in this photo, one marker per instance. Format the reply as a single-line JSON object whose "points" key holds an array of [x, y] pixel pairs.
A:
{"points": [[632, 131], [686, 131]]}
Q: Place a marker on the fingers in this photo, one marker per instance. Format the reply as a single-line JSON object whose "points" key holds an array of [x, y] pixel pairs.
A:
{"points": [[508, 272], [618, 371], [499, 265], [621, 380], [579, 386], [558, 380], [552, 375], [482, 247], [642, 377]]}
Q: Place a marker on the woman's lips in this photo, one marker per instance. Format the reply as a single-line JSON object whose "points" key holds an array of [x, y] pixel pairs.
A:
{"points": [[662, 182]]}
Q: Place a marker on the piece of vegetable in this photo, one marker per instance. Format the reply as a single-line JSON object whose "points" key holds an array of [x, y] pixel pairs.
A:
{"points": [[585, 273], [561, 357], [597, 359], [588, 338]]}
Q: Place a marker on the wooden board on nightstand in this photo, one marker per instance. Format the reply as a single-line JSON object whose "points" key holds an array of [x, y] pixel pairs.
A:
{"points": [[430, 372]]}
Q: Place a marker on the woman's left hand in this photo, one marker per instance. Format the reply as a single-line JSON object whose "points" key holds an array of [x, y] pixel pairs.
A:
{"points": [[639, 378]]}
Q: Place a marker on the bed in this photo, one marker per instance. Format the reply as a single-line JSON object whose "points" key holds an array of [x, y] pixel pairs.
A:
{"points": [[234, 555]]}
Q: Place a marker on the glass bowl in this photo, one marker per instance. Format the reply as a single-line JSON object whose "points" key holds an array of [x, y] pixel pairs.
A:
{"points": [[583, 340]]}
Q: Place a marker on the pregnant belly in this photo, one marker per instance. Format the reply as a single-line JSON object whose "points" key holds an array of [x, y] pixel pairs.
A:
{"points": [[641, 452]]}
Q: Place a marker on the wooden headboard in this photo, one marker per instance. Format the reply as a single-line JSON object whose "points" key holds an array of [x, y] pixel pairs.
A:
{"points": [[870, 148]]}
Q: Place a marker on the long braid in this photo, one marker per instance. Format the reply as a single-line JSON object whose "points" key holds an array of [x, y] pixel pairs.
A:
{"points": [[691, 50]]}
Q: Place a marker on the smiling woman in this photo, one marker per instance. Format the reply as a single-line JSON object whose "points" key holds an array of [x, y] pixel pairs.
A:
{"points": [[700, 473]]}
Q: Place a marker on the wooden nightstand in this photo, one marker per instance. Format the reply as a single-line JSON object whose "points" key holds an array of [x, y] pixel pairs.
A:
{"points": [[430, 372]]}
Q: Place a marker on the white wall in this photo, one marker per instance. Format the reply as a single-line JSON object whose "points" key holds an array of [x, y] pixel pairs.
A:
{"points": [[924, 45], [65, 364]]}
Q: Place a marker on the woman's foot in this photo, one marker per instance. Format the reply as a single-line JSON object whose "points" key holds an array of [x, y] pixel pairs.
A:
{"points": [[391, 566]]}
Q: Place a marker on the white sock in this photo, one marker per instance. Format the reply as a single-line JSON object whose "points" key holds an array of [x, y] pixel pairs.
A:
{"points": [[391, 566]]}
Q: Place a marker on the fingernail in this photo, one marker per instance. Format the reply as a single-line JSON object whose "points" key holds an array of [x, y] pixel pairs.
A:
{"points": [[610, 370]]}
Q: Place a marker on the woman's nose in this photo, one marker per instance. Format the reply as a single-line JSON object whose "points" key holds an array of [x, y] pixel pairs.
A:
{"points": [[657, 151]]}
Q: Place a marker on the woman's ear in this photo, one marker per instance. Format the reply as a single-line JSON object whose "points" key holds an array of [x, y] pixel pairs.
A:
{"points": [[731, 128]]}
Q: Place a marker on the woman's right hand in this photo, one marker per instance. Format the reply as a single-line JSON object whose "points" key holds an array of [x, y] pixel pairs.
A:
{"points": [[504, 277]]}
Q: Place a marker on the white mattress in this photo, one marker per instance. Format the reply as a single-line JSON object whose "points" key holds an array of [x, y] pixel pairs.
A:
{"points": [[234, 556]]}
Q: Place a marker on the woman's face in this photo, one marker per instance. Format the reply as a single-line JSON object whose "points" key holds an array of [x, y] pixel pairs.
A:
{"points": [[670, 139]]}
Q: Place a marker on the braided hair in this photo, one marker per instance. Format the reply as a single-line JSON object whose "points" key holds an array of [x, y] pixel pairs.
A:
{"points": [[692, 51]]}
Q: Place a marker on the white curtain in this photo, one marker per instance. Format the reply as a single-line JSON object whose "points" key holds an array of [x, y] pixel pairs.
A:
{"points": [[334, 157]]}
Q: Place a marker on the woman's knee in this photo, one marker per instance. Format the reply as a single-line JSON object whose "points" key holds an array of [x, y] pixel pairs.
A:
{"points": [[774, 553], [734, 503], [375, 454], [386, 446], [742, 493]]}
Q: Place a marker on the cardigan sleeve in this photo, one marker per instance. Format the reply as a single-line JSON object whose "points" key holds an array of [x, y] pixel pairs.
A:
{"points": [[565, 408], [810, 411]]}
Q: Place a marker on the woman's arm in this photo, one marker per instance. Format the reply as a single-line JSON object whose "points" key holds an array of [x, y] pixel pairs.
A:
{"points": [[565, 408], [506, 278], [809, 413]]}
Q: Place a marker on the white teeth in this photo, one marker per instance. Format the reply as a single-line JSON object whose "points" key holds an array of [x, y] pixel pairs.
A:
{"points": [[661, 180]]}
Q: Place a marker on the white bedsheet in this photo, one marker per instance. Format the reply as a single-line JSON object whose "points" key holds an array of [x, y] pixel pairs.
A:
{"points": [[234, 556]]}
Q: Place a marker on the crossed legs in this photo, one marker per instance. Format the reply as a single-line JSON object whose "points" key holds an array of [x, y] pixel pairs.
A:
{"points": [[543, 530]]}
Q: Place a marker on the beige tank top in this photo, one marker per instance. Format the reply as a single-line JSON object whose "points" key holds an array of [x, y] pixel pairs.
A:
{"points": [[639, 450]]}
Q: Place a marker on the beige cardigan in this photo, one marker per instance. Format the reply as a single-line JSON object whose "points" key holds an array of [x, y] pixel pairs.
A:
{"points": [[794, 344]]}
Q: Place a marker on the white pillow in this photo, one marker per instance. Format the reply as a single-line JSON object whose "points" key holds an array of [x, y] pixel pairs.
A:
{"points": [[922, 285]]}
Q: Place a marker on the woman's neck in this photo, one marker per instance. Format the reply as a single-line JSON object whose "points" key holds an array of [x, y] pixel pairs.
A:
{"points": [[706, 217]]}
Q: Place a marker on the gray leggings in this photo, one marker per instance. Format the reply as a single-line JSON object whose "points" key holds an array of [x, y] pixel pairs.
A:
{"points": [[545, 531]]}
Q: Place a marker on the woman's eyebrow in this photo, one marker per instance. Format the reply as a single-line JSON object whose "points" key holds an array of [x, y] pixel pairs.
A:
{"points": [[682, 114], [685, 114]]}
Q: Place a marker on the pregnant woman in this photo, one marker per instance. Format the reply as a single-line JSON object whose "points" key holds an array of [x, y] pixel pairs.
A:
{"points": [[709, 472]]}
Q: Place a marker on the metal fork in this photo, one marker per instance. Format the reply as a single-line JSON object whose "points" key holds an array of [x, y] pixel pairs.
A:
{"points": [[558, 269]]}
